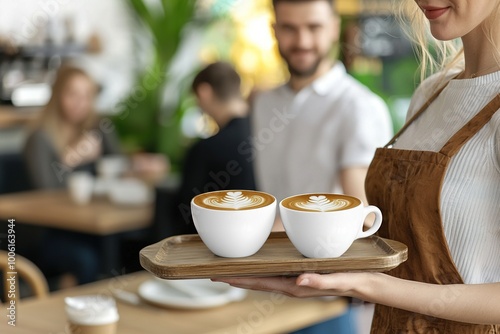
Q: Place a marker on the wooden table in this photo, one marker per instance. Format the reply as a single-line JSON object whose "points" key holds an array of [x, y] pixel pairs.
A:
{"points": [[55, 209], [11, 116], [259, 313]]}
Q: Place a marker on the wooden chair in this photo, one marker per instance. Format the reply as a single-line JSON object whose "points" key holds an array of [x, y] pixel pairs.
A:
{"points": [[25, 270]]}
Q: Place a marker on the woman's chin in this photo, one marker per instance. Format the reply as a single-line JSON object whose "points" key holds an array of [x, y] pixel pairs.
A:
{"points": [[446, 32], [443, 35]]}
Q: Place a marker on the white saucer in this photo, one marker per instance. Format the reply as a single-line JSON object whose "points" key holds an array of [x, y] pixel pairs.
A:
{"points": [[189, 294]]}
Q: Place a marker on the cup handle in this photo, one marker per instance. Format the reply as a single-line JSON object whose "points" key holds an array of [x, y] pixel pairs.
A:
{"points": [[376, 225]]}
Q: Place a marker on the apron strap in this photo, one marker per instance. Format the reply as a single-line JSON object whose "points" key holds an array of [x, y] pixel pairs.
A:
{"points": [[468, 131], [417, 115]]}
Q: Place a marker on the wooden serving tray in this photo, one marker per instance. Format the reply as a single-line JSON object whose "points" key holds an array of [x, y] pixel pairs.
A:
{"points": [[186, 256]]}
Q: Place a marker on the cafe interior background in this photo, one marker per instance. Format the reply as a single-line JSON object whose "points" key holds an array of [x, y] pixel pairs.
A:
{"points": [[143, 54]]}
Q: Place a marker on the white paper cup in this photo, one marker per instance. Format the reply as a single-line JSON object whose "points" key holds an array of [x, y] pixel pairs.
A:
{"points": [[93, 314], [81, 187]]}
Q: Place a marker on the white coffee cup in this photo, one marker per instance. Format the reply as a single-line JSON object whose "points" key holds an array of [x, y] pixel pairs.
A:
{"points": [[234, 223], [326, 225], [93, 314], [112, 166], [129, 192], [81, 186]]}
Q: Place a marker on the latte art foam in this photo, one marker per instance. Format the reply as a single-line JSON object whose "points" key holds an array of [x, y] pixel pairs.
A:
{"points": [[233, 200], [321, 203]]}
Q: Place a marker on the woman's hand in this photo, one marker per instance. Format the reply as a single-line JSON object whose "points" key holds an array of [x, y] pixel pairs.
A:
{"points": [[472, 303], [149, 167], [306, 285]]}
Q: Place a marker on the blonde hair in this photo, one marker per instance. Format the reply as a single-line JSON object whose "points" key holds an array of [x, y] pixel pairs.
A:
{"points": [[435, 55], [51, 118]]}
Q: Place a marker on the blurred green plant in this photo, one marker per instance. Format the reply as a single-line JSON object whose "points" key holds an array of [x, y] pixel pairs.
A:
{"points": [[138, 122]]}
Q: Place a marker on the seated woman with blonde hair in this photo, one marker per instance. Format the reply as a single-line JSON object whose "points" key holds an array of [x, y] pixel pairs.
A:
{"points": [[68, 137]]}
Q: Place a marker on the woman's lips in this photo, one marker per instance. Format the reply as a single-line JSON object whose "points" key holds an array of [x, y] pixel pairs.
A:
{"points": [[433, 13]]}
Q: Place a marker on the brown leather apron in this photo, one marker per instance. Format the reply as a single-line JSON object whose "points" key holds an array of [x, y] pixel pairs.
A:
{"points": [[406, 186]]}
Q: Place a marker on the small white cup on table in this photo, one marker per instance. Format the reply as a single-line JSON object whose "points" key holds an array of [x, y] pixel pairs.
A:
{"points": [[81, 187]]}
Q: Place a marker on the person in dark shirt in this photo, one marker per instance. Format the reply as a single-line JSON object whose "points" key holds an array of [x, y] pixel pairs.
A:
{"points": [[218, 163]]}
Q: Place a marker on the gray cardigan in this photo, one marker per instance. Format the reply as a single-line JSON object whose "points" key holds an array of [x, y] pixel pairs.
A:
{"points": [[45, 166]]}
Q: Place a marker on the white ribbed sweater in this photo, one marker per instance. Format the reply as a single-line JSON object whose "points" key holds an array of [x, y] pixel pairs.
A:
{"points": [[470, 197]]}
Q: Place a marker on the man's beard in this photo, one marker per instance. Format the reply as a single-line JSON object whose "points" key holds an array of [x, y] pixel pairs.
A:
{"points": [[307, 72]]}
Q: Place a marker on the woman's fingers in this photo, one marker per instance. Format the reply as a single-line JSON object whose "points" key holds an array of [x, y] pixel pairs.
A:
{"points": [[320, 282], [257, 283], [339, 284], [306, 285]]}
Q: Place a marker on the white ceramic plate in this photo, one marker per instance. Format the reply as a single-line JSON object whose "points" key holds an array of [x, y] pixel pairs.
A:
{"points": [[189, 294], [129, 192]]}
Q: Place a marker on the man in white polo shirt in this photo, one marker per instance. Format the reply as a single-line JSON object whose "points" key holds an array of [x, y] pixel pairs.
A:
{"points": [[319, 131]]}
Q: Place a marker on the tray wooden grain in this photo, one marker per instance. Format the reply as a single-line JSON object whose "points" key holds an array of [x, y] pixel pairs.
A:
{"points": [[186, 256]]}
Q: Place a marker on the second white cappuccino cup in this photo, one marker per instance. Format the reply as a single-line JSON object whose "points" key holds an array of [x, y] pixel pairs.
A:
{"points": [[326, 225]]}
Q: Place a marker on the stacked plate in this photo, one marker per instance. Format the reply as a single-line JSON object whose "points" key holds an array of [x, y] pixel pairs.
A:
{"points": [[189, 294]]}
